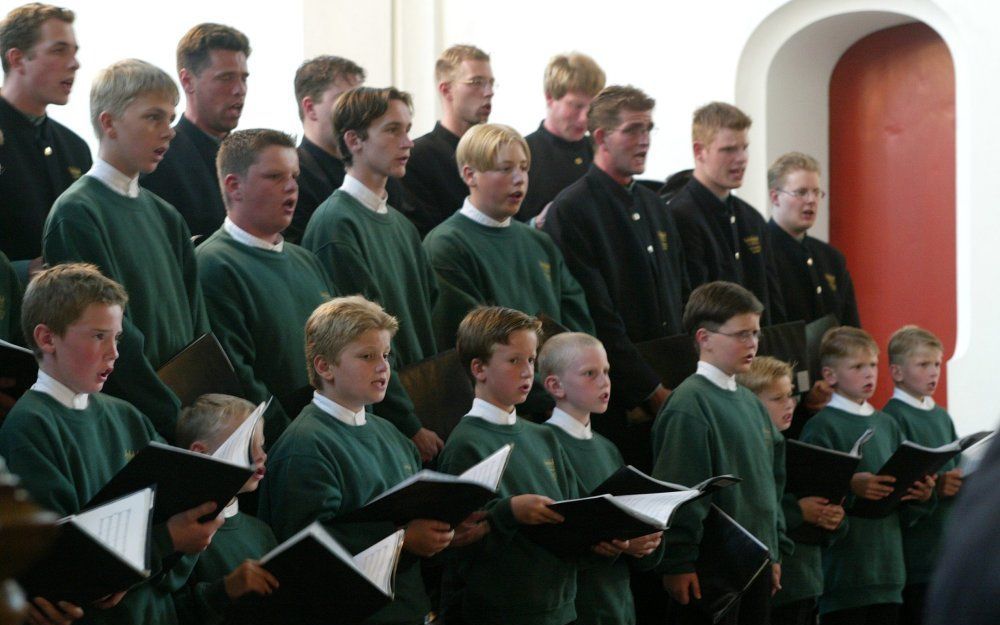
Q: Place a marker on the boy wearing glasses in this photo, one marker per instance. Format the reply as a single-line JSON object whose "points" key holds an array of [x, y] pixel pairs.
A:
{"points": [[433, 187], [814, 277], [724, 237], [710, 426], [625, 252]]}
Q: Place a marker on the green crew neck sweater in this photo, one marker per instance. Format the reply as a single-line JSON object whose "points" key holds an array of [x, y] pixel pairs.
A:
{"points": [[258, 303], [321, 469], [143, 244], [380, 257], [703, 431], [516, 266], [921, 541], [506, 578]]}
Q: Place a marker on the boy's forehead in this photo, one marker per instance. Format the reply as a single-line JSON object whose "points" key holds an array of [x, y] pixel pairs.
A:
{"points": [[923, 352], [153, 100], [858, 354]]}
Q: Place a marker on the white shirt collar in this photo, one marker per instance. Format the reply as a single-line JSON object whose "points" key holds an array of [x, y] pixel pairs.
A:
{"points": [[242, 236], [567, 423], [488, 412], [231, 509], [480, 217], [924, 403], [60, 392], [842, 403], [716, 376], [356, 189], [114, 179], [337, 411]]}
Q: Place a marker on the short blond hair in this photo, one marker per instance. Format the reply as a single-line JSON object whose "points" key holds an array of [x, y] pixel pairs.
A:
{"points": [[713, 117], [908, 339], [22, 28], [573, 72], [787, 164], [559, 351], [208, 416], [58, 297], [485, 327], [118, 85], [764, 371], [446, 67], [844, 342], [480, 146], [606, 107], [334, 324]]}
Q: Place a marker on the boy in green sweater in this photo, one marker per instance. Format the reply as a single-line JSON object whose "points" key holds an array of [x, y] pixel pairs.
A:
{"points": [[335, 457], [482, 256], [66, 439], [915, 365], [863, 571], [710, 426], [370, 248], [507, 578], [228, 569], [574, 367], [770, 380], [259, 288], [133, 236]]}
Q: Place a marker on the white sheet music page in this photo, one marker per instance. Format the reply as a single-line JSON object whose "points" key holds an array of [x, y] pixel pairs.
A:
{"points": [[378, 562], [121, 525], [236, 448], [489, 470], [657, 506]]}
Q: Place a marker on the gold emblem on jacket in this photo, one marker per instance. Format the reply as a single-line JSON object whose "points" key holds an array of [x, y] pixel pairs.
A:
{"points": [[753, 243], [831, 280]]}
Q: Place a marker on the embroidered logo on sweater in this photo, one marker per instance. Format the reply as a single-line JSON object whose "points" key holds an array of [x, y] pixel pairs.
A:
{"points": [[550, 464], [129, 454], [831, 280], [3, 306], [74, 172], [753, 243], [663, 240], [546, 269]]}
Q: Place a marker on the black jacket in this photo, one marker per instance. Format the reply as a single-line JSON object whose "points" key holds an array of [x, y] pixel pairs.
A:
{"points": [[433, 187], [555, 164]]}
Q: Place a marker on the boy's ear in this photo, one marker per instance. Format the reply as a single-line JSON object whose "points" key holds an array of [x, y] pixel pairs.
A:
{"points": [[478, 368], [353, 141], [106, 121], [199, 447], [468, 176], [323, 368], [44, 338], [232, 185], [773, 194], [829, 376], [700, 337], [896, 371], [187, 80], [308, 107], [444, 88], [554, 387], [600, 134], [14, 58]]}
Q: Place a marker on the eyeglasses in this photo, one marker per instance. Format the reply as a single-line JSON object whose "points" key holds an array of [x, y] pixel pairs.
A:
{"points": [[805, 193], [744, 336], [480, 83]]}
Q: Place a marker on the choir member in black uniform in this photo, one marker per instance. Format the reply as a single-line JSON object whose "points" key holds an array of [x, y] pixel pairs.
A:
{"points": [[724, 237], [561, 151], [212, 66], [624, 249], [318, 84], [39, 157], [433, 187], [814, 277]]}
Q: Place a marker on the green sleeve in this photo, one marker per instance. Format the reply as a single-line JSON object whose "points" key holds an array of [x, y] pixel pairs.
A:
{"points": [[459, 291], [228, 304], [573, 302], [134, 377], [202, 603], [302, 488], [785, 544], [683, 456], [37, 460], [189, 269]]}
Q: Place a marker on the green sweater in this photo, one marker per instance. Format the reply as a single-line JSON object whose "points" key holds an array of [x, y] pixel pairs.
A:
{"points": [[144, 245], [258, 303], [10, 303], [506, 578], [517, 266], [603, 591], [203, 600], [703, 431], [321, 469], [380, 257], [64, 456], [865, 566], [931, 428]]}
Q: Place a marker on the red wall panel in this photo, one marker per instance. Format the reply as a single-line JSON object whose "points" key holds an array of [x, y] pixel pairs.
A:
{"points": [[892, 183]]}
